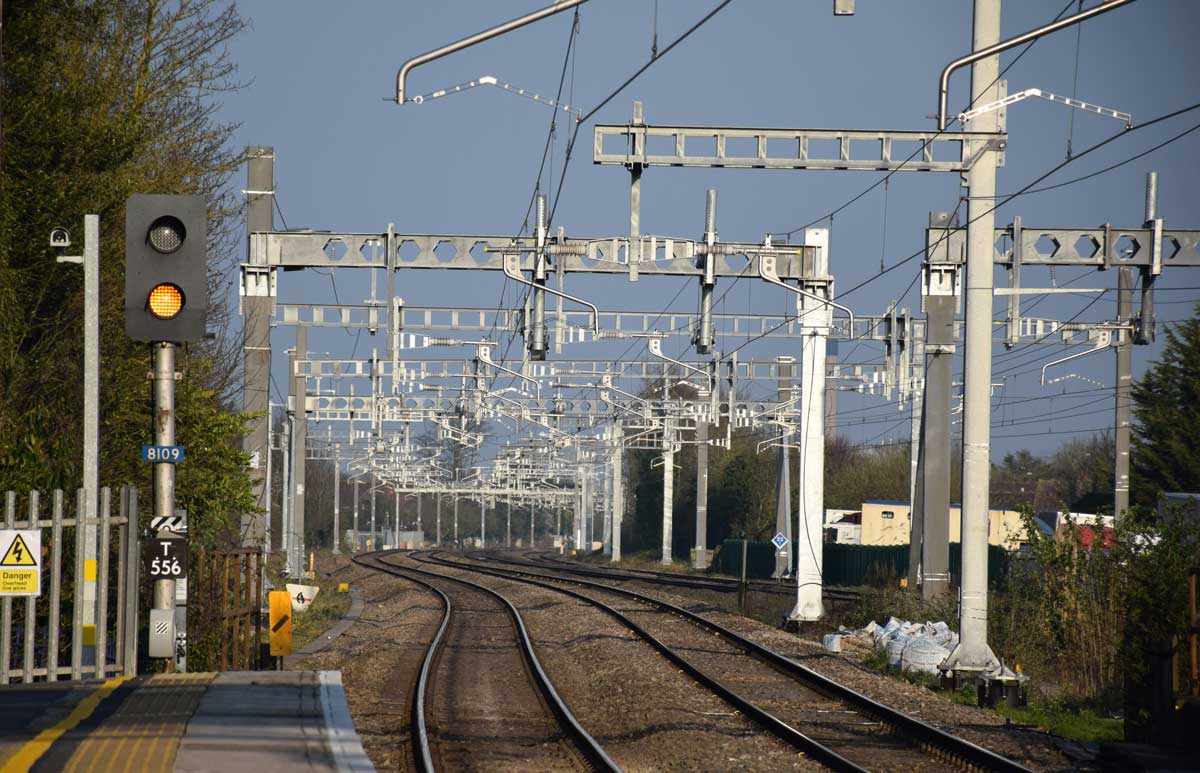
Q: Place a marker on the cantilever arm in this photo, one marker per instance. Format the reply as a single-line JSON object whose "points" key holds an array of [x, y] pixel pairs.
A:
{"points": [[479, 37], [1103, 341], [512, 270], [485, 356], [766, 271]]}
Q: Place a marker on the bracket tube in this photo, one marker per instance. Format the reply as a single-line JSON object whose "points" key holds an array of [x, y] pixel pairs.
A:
{"points": [[1004, 45], [479, 37]]}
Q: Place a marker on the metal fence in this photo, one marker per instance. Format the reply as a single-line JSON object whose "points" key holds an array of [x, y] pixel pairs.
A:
{"points": [[852, 565], [227, 604], [48, 649]]}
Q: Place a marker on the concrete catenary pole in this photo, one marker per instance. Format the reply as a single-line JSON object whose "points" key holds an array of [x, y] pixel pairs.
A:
{"points": [[267, 496], [916, 526], [437, 499], [373, 492], [285, 489], [354, 518], [299, 451], [508, 521], [700, 561], [668, 505], [606, 517], [337, 498], [1124, 383], [618, 500], [939, 289], [1121, 433], [972, 654], [815, 317], [256, 332], [420, 526], [783, 479]]}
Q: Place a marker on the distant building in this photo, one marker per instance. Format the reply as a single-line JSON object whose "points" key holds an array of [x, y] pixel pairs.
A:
{"points": [[888, 522], [843, 526]]}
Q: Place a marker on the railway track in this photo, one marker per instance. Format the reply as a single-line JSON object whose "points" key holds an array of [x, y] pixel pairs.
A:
{"points": [[677, 579], [834, 725], [470, 708]]}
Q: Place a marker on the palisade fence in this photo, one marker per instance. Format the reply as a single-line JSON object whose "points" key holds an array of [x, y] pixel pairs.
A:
{"points": [[225, 615], [43, 637]]}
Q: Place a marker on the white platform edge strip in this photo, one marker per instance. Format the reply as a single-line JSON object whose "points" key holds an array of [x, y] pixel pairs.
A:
{"points": [[339, 732]]}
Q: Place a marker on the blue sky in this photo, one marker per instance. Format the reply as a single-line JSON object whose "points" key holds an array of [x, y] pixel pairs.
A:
{"points": [[347, 160]]}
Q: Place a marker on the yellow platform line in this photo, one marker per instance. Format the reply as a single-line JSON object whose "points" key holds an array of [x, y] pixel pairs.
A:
{"points": [[32, 751]]}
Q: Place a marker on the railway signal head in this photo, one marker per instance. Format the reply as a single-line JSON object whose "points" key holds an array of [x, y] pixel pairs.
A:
{"points": [[166, 267]]}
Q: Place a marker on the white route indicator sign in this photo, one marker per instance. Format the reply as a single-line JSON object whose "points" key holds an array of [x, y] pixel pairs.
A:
{"points": [[20, 562]]}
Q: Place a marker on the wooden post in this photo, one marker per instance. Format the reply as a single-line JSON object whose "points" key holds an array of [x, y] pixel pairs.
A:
{"points": [[224, 612]]}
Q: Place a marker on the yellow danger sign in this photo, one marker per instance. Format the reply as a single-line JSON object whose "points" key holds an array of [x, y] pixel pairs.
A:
{"points": [[18, 554], [20, 572]]}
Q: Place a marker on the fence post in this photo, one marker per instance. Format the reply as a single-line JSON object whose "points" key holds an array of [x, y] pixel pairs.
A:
{"points": [[130, 588], [236, 650], [224, 612], [119, 627], [77, 606], [247, 583], [52, 639], [102, 584], [31, 601], [10, 513]]}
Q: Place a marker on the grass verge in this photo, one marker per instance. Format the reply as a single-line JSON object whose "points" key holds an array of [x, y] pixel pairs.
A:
{"points": [[326, 610]]}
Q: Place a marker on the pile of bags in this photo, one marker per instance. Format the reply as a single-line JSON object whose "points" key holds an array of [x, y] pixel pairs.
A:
{"points": [[909, 646]]}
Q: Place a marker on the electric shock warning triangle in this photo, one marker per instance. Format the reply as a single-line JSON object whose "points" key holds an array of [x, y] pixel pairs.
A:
{"points": [[18, 554]]}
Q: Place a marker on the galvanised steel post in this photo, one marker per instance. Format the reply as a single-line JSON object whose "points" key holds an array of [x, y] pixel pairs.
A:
{"points": [[285, 497], [437, 499], [91, 425], [396, 521], [972, 655], [164, 474], [508, 522], [420, 528], [916, 526], [1122, 393]]}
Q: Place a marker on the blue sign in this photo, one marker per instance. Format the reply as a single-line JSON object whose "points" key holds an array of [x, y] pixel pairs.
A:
{"points": [[162, 454], [780, 541]]}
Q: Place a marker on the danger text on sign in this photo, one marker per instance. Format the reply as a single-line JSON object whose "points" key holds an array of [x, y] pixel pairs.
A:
{"points": [[20, 562]]}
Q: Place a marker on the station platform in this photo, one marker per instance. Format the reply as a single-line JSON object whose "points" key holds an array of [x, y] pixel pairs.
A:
{"points": [[233, 722]]}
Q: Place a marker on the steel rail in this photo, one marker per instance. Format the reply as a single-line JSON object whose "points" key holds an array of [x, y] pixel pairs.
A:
{"points": [[590, 749], [424, 759], [969, 755], [677, 579], [765, 719]]}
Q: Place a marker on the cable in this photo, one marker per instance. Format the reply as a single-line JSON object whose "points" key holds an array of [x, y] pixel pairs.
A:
{"points": [[1117, 165], [580, 121], [877, 183]]}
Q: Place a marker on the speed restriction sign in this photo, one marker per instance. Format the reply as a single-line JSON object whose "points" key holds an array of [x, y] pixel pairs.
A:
{"points": [[165, 559]]}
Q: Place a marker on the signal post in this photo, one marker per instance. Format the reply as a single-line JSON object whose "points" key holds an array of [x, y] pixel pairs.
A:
{"points": [[166, 303]]}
